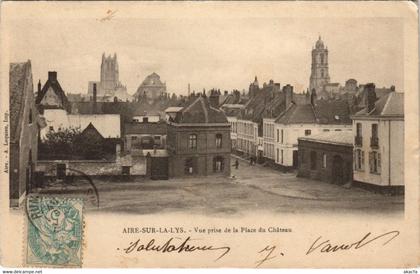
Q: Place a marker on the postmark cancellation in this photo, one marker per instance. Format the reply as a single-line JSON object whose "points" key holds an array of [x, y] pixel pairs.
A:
{"points": [[54, 231]]}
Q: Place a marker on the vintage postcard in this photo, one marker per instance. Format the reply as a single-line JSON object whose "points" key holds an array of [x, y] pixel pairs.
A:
{"points": [[209, 134]]}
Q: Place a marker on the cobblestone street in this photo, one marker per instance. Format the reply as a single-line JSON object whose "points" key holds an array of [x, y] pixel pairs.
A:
{"points": [[251, 188]]}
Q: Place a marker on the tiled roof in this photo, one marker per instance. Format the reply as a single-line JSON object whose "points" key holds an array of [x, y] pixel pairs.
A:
{"points": [[297, 114], [200, 111], [17, 75], [264, 104], [323, 112], [390, 105], [332, 137]]}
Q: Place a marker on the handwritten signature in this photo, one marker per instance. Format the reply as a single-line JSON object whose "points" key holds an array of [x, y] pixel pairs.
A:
{"points": [[267, 251], [168, 246], [327, 247], [109, 15]]}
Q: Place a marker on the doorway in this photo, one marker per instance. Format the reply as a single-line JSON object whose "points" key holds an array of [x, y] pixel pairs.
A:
{"points": [[338, 170]]}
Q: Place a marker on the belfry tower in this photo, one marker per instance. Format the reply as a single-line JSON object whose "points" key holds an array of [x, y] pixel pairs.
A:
{"points": [[319, 69], [109, 72]]}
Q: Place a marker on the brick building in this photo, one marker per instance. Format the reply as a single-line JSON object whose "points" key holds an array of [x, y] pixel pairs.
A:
{"points": [[24, 132], [198, 140], [327, 156]]}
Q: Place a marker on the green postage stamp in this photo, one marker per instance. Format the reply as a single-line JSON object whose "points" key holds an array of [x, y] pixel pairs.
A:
{"points": [[54, 231]]}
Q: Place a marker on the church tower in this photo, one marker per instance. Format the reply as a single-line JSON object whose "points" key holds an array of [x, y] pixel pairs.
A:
{"points": [[319, 69], [109, 72]]}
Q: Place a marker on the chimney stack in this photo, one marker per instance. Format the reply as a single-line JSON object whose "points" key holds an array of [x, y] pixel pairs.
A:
{"points": [[214, 98], [52, 75], [371, 96], [288, 94], [39, 86], [94, 98]]}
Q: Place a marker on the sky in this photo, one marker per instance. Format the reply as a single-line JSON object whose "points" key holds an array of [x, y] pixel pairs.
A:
{"points": [[225, 53]]}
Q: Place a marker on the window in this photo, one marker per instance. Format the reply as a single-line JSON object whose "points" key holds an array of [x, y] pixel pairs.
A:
{"points": [[30, 116], [281, 156], [218, 164], [145, 119], [307, 132], [277, 156], [282, 136], [324, 160], [157, 140], [133, 138], [375, 162], [322, 58], [192, 141], [358, 129], [218, 140], [189, 166], [51, 128], [359, 159], [313, 160], [374, 130], [325, 130], [337, 129], [278, 136], [125, 170], [322, 73]]}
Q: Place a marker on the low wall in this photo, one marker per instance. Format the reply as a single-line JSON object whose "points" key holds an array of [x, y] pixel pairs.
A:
{"points": [[93, 168]]}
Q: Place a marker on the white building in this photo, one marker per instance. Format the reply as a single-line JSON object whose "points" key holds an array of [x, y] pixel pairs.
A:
{"points": [[304, 120], [108, 125], [268, 137], [247, 135], [379, 140], [232, 111]]}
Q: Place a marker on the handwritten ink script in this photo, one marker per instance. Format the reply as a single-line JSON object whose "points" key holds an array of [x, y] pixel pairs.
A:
{"points": [[266, 252], [169, 246], [263, 254], [328, 247], [109, 15]]}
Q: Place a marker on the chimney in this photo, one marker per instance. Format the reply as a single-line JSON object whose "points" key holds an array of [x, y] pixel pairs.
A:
{"points": [[288, 94], [52, 75], [392, 88], [189, 89], [94, 99], [313, 97], [214, 99], [371, 96], [39, 86]]}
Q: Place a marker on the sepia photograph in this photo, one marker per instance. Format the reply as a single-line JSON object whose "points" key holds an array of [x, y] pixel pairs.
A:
{"points": [[162, 112]]}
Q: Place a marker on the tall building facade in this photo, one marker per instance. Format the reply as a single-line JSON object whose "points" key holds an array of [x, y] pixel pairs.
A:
{"points": [[109, 72], [25, 124], [319, 69], [109, 88]]}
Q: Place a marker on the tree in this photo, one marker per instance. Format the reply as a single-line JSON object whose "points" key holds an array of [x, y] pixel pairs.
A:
{"points": [[71, 143]]}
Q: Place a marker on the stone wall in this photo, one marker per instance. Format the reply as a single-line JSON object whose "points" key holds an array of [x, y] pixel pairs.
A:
{"points": [[94, 168]]}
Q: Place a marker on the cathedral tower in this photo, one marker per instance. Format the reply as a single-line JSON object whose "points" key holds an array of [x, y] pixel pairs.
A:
{"points": [[109, 72], [319, 69]]}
